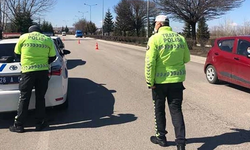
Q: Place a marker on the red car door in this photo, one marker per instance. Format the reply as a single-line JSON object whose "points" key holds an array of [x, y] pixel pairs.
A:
{"points": [[223, 58], [241, 64]]}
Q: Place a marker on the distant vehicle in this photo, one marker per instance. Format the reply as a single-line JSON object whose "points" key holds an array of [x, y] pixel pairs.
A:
{"points": [[63, 33], [229, 60], [10, 70], [78, 33]]}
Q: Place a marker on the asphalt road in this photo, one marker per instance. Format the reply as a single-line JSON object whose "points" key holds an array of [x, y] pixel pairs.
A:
{"points": [[110, 107]]}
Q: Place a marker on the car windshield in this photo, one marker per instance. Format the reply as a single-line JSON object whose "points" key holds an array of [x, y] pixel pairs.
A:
{"points": [[7, 52]]}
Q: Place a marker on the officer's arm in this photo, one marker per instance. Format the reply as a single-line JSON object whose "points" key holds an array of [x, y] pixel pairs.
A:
{"points": [[186, 53], [52, 52], [18, 47], [150, 62]]}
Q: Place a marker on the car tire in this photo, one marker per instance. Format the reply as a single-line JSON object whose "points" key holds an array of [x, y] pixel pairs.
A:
{"points": [[211, 75], [64, 105]]}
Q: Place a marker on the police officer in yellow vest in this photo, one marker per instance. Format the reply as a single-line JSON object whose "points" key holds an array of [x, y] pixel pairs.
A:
{"points": [[167, 53], [36, 52]]}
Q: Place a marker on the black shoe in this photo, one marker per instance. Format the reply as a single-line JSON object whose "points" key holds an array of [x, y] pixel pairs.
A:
{"points": [[181, 147], [42, 125], [156, 140], [16, 128]]}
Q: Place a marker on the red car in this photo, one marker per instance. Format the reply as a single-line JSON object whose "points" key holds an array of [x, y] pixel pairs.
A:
{"points": [[229, 60]]}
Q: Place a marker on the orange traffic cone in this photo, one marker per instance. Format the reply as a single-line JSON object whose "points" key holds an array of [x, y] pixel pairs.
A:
{"points": [[63, 39], [96, 46], [79, 42]]}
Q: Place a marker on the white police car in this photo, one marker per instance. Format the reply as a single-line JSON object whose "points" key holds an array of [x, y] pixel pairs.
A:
{"points": [[10, 74]]}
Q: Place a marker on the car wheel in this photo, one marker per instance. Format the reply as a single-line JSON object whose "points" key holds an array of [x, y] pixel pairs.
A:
{"points": [[211, 74], [63, 106]]}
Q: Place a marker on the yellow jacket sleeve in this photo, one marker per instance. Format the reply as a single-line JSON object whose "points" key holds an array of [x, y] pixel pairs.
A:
{"points": [[150, 62]]}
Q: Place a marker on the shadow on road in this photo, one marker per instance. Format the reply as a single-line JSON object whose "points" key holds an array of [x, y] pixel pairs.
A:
{"points": [[238, 136], [72, 63], [91, 105]]}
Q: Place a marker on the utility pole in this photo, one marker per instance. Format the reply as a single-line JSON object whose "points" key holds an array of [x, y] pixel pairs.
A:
{"points": [[147, 18]]}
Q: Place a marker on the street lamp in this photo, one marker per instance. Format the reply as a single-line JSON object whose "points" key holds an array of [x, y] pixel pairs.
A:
{"points": [[90, 9], [102, 16], [83, 13]]}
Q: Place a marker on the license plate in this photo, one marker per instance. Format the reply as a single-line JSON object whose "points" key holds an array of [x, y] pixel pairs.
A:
{"points": [[10, 80]]}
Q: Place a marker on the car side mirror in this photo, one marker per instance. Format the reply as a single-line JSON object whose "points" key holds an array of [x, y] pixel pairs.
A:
{"points": [[248, 52], [66, 52]]}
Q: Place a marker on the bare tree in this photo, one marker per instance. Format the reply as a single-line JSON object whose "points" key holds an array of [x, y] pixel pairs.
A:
{"points": [[229, 28], [191, 11], [32, 7], [139, 11]]}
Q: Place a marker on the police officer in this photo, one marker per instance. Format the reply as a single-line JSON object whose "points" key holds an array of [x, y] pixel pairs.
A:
{"points": [[167, 53], [36, 52]]}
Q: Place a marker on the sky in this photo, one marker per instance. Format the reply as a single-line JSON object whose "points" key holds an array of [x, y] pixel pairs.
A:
{"points": [[67, 12]]}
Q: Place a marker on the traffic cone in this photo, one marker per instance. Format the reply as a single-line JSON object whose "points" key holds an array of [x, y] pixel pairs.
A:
{"points": [[96, 46], [79, 42], [63, 39]]}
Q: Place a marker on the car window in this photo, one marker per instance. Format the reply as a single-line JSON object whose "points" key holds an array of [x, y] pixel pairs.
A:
{"points": [[242, 47], [7, 51], [226, 45], [60, 42], [57, 47]]}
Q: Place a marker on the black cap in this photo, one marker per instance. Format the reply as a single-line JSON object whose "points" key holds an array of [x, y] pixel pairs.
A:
{"points": [[34, 28]]}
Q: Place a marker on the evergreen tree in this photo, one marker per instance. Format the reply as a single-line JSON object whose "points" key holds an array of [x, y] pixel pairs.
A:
{"points": [[124, 19], [62, 29], [108, 25], [22, 21], [66, 29], [47, 27], [187, 30], [91, 27], [202, 32]]}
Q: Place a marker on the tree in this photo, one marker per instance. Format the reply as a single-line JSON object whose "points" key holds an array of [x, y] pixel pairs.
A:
{"points": [[124, 19], [63, 29], [22, 22], [135, 16], [191, 11], [187, 30], [91, 27], [47, 27], [202, 32], [108, 25], [22, 11], [66, 29], [81, 25]]}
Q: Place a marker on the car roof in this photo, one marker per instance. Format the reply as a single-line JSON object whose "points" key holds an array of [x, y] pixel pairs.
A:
{"points": [[6, 41], [247, 36], [54, 37]]}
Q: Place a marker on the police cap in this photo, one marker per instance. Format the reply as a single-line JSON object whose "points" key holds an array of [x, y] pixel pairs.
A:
{"points": [[161, 18], [34, 28]]}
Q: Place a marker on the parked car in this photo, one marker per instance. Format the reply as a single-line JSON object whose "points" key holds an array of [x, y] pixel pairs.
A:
{"points": [[229, 60], [78, 33], [10, 74]]}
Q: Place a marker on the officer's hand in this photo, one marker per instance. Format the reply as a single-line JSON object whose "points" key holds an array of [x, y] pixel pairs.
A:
{"points": [[152, 87]]}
